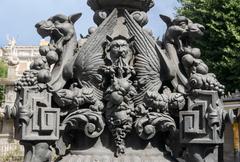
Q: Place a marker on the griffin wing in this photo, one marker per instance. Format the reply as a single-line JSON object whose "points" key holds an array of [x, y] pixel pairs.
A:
{"points": [[150, 62], [90, 56]]}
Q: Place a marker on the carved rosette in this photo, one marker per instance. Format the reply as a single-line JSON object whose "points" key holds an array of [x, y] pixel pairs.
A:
{"points": [[119, 83]]}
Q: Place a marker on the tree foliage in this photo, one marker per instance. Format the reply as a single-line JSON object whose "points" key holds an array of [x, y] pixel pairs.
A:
{"points": [[3, 74], [220, 45]]}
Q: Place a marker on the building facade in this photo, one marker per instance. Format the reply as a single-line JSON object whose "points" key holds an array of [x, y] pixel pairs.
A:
{"points": [[18, 59]]}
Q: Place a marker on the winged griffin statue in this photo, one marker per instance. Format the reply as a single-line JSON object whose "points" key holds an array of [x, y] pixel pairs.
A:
{"points": [[118, 94]]}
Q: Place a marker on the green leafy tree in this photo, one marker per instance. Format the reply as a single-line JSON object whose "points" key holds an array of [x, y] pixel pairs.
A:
{"points": [[220, 45], [3, 74]]}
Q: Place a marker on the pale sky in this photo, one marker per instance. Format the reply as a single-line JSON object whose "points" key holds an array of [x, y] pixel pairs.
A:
{"points": [[18, 17]]}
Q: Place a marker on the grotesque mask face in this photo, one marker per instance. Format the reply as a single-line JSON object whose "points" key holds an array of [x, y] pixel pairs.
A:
{"points": [[119, 48]]}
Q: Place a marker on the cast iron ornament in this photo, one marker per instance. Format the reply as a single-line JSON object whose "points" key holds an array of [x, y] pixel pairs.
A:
{"points": [[119, 80]]}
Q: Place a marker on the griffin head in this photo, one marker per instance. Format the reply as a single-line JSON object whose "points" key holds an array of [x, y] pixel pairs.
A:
{"points": [[57, 26], [183, 26]]}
